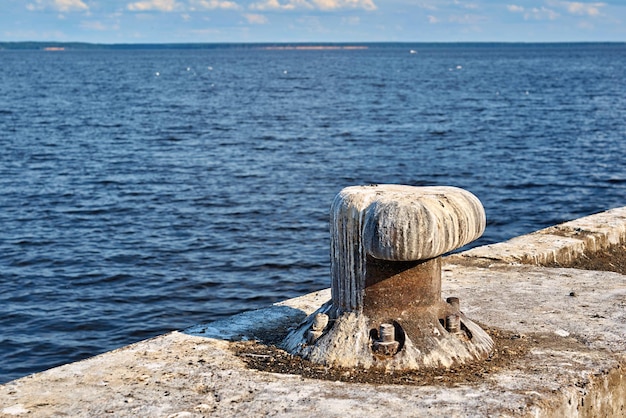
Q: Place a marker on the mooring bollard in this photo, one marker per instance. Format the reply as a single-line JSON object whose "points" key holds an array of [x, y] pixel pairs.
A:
{"points": [[386, 308]]}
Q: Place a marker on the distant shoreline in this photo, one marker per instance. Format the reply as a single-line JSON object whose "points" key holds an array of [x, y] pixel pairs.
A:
{"points": [[277, 46], [313, 47]]}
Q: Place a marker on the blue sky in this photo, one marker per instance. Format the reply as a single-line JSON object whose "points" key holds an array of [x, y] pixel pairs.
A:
{"points": [[174, 21]]}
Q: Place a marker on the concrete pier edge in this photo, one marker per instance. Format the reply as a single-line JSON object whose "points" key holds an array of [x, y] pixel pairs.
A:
{"points": [[573, 323]]}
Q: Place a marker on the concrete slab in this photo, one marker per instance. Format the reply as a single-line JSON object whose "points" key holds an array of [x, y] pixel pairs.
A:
{"points": [[559, 244], [573, 362]]}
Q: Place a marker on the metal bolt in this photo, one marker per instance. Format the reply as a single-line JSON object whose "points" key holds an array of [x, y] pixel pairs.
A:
{"points": [[387, 333], [453, 324], [386, 344], [320, 321], [455, 303]]}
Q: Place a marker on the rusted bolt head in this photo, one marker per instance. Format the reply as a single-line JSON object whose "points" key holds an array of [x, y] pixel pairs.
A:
{"points": [[386, 344], [387, 332], [455, 303], [453, 323]]}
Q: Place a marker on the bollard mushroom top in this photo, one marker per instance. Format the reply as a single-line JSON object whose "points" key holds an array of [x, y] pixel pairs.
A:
{"points": [[406, 223]]}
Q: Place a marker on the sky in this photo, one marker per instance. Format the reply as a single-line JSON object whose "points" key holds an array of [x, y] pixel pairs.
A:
{"points": [[184, 21]]}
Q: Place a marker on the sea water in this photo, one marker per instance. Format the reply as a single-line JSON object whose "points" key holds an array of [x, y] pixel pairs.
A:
{"points": [[144, 191]]}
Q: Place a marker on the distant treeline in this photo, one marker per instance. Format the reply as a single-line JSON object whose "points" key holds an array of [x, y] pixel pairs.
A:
{"points": [[278, 45]]}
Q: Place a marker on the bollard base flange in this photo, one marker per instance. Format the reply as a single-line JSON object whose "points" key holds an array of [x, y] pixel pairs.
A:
{"points": [[353, 340]]}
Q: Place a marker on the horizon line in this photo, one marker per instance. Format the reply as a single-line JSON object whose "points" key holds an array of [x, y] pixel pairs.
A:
{"points": [[314, 43], [62, 46]]}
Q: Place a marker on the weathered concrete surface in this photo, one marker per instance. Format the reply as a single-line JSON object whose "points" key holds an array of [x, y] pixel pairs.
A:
{"points": [[559, 244], [574, 320]]}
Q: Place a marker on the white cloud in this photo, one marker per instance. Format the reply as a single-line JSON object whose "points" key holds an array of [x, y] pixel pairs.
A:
{"points": [[577, 8], [313, 4], [70, 5], [276, 5], [58, 5], [149, 5], [344, 4], [255, 19], [467, 19], [433, 19], [542, 13], [215, 4], [572, 7], [465, 5], [326, 4], [536, 13], [515, 9], [97, 26]]}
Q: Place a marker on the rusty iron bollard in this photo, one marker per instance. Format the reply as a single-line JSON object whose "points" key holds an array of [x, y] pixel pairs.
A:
{"points": [[386, 308]]}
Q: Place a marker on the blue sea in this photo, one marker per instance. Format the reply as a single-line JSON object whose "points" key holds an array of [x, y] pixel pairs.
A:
{"points": [[144, 191]]}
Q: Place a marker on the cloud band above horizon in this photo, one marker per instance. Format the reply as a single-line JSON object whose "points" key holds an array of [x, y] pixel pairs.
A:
{"points": [[312, 20]]}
